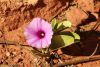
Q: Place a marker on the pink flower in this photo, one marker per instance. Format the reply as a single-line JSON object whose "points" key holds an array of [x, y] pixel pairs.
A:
{"points": [[38, 33]]}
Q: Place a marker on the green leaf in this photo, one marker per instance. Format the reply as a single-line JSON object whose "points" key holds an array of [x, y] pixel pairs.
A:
{"points": [[66, 23], [63, 25], [59, 41], [76, 37], [73, 34], [64, 39], [54, 24]]}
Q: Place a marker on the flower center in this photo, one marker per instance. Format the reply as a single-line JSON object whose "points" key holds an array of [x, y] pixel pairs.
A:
{"points": [[41, 34]]}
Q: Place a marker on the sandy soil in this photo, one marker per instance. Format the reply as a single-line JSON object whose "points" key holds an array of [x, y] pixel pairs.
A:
{"points": [[16, 14]]}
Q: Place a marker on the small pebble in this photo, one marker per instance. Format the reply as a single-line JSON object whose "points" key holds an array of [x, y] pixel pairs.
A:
{"points": [[33, 2], [7, 54], [14, 53], [55, 61], [59, 52]]}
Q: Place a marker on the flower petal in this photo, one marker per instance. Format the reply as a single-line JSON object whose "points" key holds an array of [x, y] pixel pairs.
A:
{"points": [[48, 39], [38, 44], [36, 25], [45, 43], [45, 26]]}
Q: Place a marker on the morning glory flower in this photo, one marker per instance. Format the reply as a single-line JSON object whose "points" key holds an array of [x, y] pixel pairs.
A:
{"points": [[38, 33]]}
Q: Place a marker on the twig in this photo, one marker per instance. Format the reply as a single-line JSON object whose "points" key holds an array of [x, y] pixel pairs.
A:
{"points": [[2, 41], [7, 42], [96, 25], [3, 36], [78, 60], [95, 50]]}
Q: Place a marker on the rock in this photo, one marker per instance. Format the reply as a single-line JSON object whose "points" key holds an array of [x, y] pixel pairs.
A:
{"points": [[33, 2], [86, 5], [8, 54], [75, 15]]}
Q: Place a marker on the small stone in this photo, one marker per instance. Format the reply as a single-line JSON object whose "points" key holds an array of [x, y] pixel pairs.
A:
{"points": [[59, 51], [14, 53], [55, 61], [33, 2], [79, 65], [35, 59], [7, 54]]}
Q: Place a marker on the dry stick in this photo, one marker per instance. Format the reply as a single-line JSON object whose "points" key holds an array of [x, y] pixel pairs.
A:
{"points": [[7, 42], [3, 36], [95, 50], [10, 42], [97, 24], [78, 60], [2, 42], [94, 28]]}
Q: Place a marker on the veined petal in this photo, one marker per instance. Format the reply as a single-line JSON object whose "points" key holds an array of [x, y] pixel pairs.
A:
{"points": [[38, 27], [35, 24], [38, 44], [48, 39], [45, 43], [46, 27], [29, 33]]}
